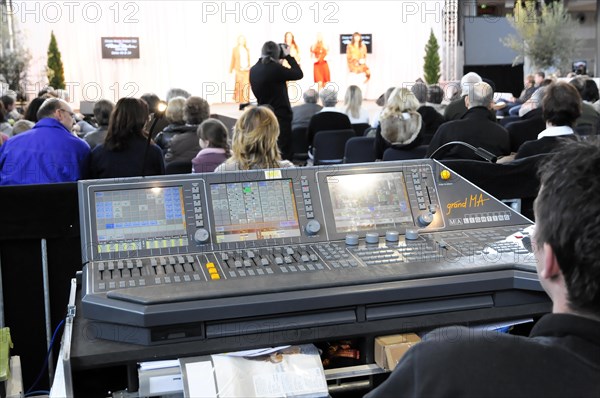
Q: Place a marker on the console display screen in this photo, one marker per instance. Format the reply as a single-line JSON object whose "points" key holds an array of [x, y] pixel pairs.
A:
{"points": [[369, 201], [135, 219], [255, 210]]}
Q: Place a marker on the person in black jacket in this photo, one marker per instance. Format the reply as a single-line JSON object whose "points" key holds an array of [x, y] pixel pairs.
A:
{"points": [[268, 79], [561, 357], [432, 119], [126, 151], [473, 128]]}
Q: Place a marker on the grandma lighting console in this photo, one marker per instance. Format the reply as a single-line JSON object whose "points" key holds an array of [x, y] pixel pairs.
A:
{"points": [[178, 258]]}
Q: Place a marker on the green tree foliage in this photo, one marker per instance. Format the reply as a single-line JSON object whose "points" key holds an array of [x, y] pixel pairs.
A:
{"points": [[56, 72], [546, 35], [431, 68]]}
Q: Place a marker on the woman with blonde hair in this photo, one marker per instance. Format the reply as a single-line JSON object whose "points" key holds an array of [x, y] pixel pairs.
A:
{"points": [[353, 104], [400, 124], [254, 143]]}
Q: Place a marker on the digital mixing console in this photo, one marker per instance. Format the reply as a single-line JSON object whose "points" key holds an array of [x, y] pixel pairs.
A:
{"points": [[179, 257]]}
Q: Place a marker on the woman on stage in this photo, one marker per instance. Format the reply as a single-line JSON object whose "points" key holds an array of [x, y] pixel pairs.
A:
{"points": [[321, 70], [294, 51], [356, 55], [240, 63]]}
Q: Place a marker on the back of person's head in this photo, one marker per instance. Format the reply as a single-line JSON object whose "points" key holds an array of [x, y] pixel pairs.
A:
{"points": [[21, 126], [480, 94], [566, 213], [152, 101], [177, 92], [419, 89], [561, 104], [255, 139], [590, 91], [353, 101], [578, 83], [3, 112], [467, 82], [329, 96], [400, 121], [270, 52], [102, 111], [49, 107], [381, 101], [174, 112], [311, 96], [127, 120], [214, 132], [48, 90], [540, 75], [33, 107], [196, 110], [435, 94], [7, 101]]}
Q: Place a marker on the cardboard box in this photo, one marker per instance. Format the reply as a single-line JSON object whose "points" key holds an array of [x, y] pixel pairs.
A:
{"points": [[389, 349]]}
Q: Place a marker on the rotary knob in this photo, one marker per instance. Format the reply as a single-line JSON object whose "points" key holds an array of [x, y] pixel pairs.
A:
{"points": [[312, 227], [411, 234], [372, 237], [201, 236], [425, 219], [392, 236], [352, 239]]}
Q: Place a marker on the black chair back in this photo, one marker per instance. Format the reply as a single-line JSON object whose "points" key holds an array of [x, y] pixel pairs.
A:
{"points": [[299, 143], [360, 128], [178, 168], [405, 154], [329, 146], [360, 150]]}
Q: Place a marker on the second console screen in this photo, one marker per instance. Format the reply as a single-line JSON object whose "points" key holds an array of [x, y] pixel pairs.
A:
{"points": [[363, 202], [255, 210]]}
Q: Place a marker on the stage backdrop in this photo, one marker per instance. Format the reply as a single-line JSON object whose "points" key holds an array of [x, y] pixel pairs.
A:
{"points": [[188, 44]]}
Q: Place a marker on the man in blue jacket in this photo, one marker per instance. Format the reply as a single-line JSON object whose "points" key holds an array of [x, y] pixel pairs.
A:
{"points": [[47, 153]]}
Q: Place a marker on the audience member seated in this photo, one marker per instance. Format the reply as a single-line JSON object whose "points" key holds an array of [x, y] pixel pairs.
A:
{"points": [[401, 125], [561, 107], [432, 119], [255, 142], [381, 101], [177, 92], [462, 362], [214, 142], [184, 146], [539, 80], [9, 102], [5, 126], [156, 123], [528, 90], [303, 113], [329, 118], [353, 106], [22, 126], [435, 98], [102, 112], [174, 115], [589, 116], [527, 127], [474, 128], [591, 94], [34, 107], [47, 153], [457, 109], [126, 151]]}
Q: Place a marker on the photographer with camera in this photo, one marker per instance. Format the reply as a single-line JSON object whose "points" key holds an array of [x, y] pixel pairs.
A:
{"points": [[268, 82]]}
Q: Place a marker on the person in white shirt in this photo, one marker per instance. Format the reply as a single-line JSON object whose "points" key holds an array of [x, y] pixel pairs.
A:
{"points": [[353, 106]]}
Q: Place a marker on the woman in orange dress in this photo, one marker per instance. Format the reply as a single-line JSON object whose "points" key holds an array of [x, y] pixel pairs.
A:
{"points": [[321, 70], [356, 55], [240, 63]]}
